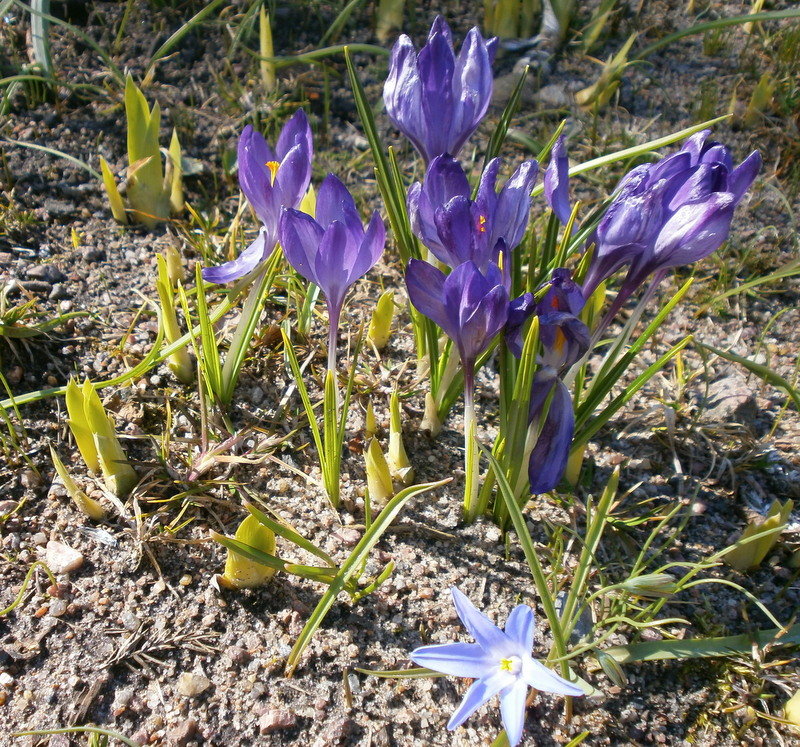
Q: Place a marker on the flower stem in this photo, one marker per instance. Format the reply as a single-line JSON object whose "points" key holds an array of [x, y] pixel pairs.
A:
{"points": [[333, 334], [472, 506]]}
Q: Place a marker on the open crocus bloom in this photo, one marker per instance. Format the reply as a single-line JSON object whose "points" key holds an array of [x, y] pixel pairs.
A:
{"points": [[499, 661], [435, 98], [270, 179], [457, 229]]}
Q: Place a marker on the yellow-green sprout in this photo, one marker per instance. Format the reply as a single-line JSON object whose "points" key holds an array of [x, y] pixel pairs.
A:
{"points": [[152, 191], [87, 505], [370, 426], [379, 479], [399, 466], [96, 438], [747, 553], [380, 325], [179, 362], [241, 572]]}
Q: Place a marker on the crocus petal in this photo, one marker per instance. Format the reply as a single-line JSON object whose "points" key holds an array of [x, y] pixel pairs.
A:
{"points": [[488, 636], [300, 237], [444, 179], [254, 176], [521, 627], [512, 710], [548, 460], [472, 88], [454, 226], [457, 659], [296, 131], [514, 205], [694, 145], [335, 203], [539, 676], [436, 64], [556, 182], [335, 256], [694, 231], [479, 327], [402, 93], [425, 285], [519, 311], [246, 262], [370, 249], [291, 181], [479, 692], [740, 179]]}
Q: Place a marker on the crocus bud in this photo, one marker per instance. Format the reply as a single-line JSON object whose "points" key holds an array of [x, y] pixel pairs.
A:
{"points": [[435, 98]]}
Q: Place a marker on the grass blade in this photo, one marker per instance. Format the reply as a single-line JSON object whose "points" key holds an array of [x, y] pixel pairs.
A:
{"points": [[356, 559]]}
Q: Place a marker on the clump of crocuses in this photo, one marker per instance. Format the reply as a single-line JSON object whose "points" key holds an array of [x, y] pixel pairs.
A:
{"points": [[435, 98]]}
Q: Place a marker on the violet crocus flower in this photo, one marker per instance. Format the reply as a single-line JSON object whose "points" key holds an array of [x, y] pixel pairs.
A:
{"points": [[435, 98], [469, 306], [565, 339], [670, 213], [270, 179], [457, 229], [332, 250], [556, 182], [499, 661]]}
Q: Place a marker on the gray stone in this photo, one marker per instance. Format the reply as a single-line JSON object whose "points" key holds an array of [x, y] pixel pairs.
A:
{"points": [[49, 273], [730, 399]]}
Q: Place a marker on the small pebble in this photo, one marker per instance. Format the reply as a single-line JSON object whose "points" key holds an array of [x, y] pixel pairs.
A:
{"points": [[61, 558], [191, 685]]}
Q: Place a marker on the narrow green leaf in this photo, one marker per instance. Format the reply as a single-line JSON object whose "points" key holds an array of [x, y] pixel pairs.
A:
{"points": [[356, 559], [175, 38], [702, 648], [414, 673], [282, 530], [763, 372]]}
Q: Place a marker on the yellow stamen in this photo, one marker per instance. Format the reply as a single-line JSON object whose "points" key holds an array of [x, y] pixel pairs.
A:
{"points": [[273, 167], [482, 223], [506, 665], [560, 340]]}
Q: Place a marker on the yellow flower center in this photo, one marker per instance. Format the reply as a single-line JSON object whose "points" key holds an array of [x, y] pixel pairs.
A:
{"points": [[511, 664], [273, 167]]}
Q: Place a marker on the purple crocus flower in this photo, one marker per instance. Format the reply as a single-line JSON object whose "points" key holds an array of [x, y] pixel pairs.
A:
{"points": [[556, 182], [565, 339], [499, 661], [333, 250], [469, 306], [270, 179], [435, 98], [457, 229], [670, 213]]}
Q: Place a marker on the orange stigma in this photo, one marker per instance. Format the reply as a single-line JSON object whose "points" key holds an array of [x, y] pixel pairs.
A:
{"points": [[482, 223]]}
